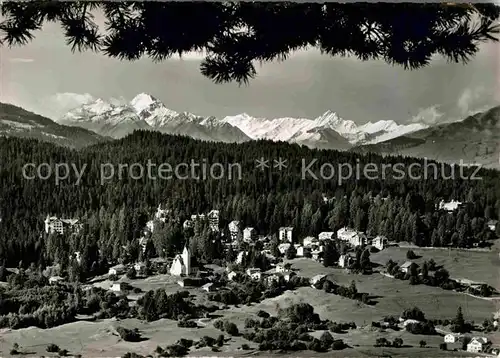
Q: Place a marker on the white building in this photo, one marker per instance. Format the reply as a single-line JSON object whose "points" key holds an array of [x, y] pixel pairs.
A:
{"points": [[353, 237], [281, 267], [345, 260], [117, 287], [452, 338], [239, 257], [54, 224], [209, 287], [55, 279], [478, 344], [449, 206], [301, 251], [406, 266], [286, 234], [161, 214], [380, 242], [309, 241], [181, 264], [234, 230], [317, 280], [289, 275], [232, 275], [213, 220], [326, 235], [140, 267], [492, 225], [254, 273], [249, 234], [283, 248], [117, 270]]}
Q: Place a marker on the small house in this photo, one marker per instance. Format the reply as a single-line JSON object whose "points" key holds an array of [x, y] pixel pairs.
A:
{"points": [[317, 281], [209, 287], [118, 287], [406, 266], [478, 344], [326, 235], [289, 275], [345, 261], [286, 234], [492, 224], [140, 267], [249, 234], [380, 242], [452, 338], [254, 273], [117, 270], [231, 275]]}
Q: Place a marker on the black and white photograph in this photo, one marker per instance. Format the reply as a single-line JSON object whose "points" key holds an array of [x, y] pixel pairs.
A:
{"points": [[231, 179]]}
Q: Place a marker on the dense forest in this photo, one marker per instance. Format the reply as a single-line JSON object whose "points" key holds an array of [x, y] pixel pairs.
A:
{"points": [[114, 213]]}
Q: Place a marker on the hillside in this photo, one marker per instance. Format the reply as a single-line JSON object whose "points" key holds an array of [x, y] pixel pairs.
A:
{"points": [[476, 139], [18, 122]]}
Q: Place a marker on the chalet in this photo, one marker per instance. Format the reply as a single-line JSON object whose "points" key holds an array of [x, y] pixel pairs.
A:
{"points": [[406, 266], [353, 237], [317, 281], [326, 235], [190, 282], [234, 230], [56, 225], [231, 275], [380, 242], [452, 338], [187, 224], [289, 275], [492, 224], [161, 214], [140, 267], [118, 287], [301, 251], [281, 267], [309, 241], [182, 263], [345, 261], [213, 220], [249, 234], [254, 273], [283, 248], [478, 344], [117, 270], [209, 287], [449, 206], [286, 234], [55, 279]]}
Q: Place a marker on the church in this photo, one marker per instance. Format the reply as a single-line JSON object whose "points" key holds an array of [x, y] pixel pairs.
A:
{"points": [[181, 266]]}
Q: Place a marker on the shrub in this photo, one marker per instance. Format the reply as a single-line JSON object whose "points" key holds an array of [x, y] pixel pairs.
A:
{"points": [[410, 255], [231, 328], [63, 352], [128, 334], [245, 347], [131, 274], [52, 348], [338, 345], [263, 314]]}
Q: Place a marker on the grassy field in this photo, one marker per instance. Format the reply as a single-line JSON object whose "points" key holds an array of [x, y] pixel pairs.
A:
{"points": [[99, 339], [472, 265]]}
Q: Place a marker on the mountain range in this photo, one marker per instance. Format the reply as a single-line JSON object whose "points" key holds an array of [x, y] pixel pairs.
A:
{"points": [[328, 131], [476, 139]]}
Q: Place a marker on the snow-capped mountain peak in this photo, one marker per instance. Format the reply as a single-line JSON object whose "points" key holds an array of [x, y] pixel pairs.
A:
{"points": [[332, 120]]}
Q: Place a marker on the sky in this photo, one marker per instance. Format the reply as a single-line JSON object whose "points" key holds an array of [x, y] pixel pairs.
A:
{"points": [[47, 78]]}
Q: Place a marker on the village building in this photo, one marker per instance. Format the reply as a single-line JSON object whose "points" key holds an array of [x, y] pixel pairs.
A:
{"points": [[326, 235], [239, 257], [140, 268], [187, 224], [209, 287], [309, 241], [301, 251], [345, 261], [452, 338], [289, 275], [249, 234], [61, 226], [380, 242], [117, 270], [231, 275], [254, 273], [492, 224], [281, 267], [283, 248], [353, 237], [317, 281], [286, 234], [55, 279], [449, 206], [118, 287], [213, 220], [161, 214], [182, 264], [406, 266], [478, 344], [234, 230]]}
